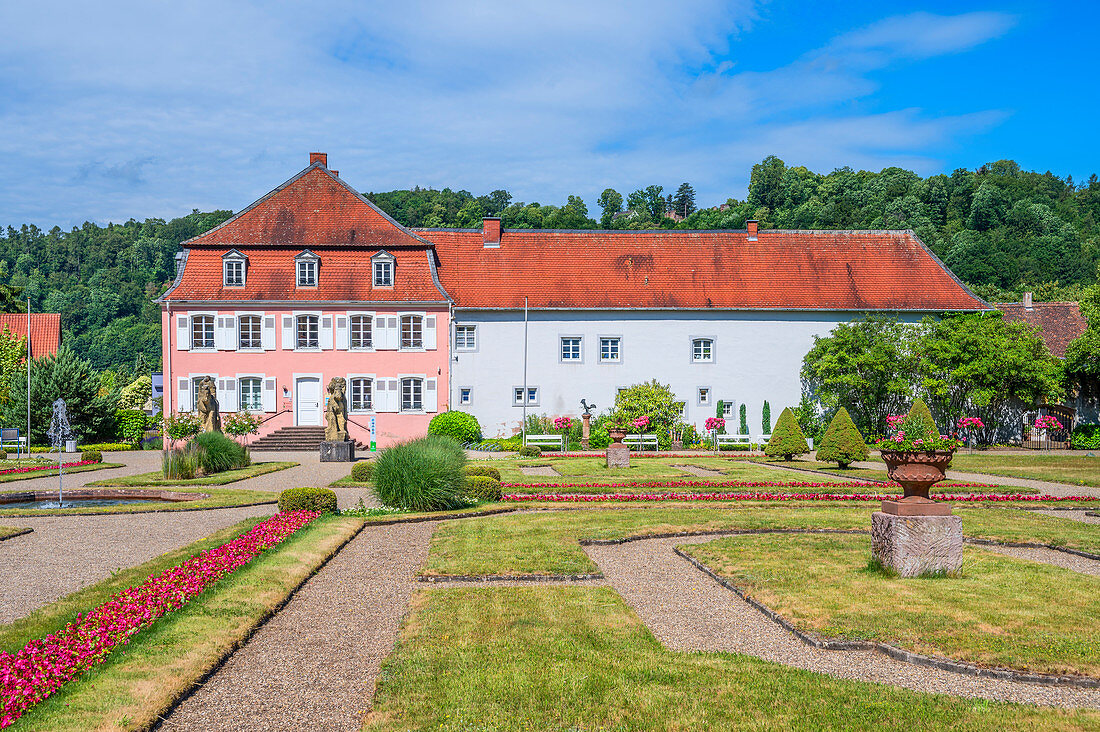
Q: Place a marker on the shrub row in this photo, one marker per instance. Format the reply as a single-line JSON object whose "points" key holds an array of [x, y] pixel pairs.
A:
{"points": [[308, 499], [362, 471], [1085, 437], [94, 456]]}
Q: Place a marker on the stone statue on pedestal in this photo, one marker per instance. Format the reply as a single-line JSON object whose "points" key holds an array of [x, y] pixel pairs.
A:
{"points": [[206, 406], [336, 411]]}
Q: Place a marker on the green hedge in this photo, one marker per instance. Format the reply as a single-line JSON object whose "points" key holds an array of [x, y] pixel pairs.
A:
{"points": [[1085, 437], [101, 446], [457, 425], [483, 488], [486, 470], [362, 471], [93, 455], [530, 451], [308, 499]]}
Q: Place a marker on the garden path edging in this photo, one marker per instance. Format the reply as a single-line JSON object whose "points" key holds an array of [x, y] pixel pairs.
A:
{"points": [[21, 532], [491, 578], [899, 654]]}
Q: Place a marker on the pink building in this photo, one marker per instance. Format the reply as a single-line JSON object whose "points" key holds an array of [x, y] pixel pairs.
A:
{"points": [[309, 283]]}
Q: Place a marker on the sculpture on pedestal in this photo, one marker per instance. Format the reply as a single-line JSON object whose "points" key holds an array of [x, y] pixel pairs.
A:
{"points": [[206, 405], [336, 411], [586, 423]]}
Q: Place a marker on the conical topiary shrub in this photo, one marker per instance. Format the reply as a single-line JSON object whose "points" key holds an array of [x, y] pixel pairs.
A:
{"points": [[787, 438], [921, 410], [842, 443]]}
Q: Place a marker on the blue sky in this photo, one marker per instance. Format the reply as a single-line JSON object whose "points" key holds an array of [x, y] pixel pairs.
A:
{"points": [[134, 109]]}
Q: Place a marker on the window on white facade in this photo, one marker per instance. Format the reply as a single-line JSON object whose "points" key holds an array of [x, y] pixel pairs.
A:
{"points": [[202, 331], [464, 396], [233, 272], [531, 393], [308, 331], [412, 331], [412, 395], [307, 273], [570, 349], [251, 394], [250, 332], [727, 409], [610, 350], [465, 337], [704, 395], [362, 395], [383, 273], [361, 335], [702, 350]]}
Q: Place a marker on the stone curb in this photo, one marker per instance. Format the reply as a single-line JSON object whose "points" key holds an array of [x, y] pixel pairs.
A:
{"points": [[21, 532], [508, 578], [197, 684], [128, 513], [814, 472], [423, 519], [1092, 513], [899, 654]]}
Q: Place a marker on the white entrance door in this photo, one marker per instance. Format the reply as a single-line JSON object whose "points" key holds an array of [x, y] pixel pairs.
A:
{"points": [[307, 401]]}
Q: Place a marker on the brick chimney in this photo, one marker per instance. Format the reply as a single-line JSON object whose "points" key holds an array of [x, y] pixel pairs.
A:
{"points": [[1027, 301], [321, 158], [752, 225], [490, 229]]}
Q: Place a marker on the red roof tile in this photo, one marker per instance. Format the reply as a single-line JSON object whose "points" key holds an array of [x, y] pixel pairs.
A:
{"points": [[782, 270], [45, 330], [1058, 322]]}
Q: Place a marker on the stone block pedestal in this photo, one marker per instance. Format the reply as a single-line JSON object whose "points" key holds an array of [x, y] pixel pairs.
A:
{"points": [[618, 456], [917, 545], [338, 452]]}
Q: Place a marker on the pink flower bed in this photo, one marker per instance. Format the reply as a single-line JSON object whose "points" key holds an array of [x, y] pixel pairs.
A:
{"points": [[605, 497], [47, 466], [732, 484], [42, 666]]}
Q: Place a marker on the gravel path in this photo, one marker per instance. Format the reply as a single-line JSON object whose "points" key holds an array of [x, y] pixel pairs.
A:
{"points": [[1046, 486], [700, 472], [313, 665], [1084, 565], [310, 473], [135, 461], [66, 553], [541, 470], [686, 610], [1081, 515]]}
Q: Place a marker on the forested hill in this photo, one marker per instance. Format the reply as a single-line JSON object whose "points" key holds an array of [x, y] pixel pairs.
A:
{"points": [[1001, 229]]}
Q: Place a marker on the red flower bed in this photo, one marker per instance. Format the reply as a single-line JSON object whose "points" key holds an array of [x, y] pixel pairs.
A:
{"points": [[604, 497], [732, 484], [47, 466], [42, 666]]}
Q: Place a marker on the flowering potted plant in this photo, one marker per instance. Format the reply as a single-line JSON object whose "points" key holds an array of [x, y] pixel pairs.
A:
{"points": [[916, 455], [713, 426], [969, 424]]}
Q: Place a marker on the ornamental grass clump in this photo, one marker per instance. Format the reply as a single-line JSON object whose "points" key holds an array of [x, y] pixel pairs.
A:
{"points": [[787, 438], [217, 453], [421, 475], [842, 443], [42, 666]]}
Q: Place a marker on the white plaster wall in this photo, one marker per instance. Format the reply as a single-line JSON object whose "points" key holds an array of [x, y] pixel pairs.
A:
{"points": [[758, 356]]}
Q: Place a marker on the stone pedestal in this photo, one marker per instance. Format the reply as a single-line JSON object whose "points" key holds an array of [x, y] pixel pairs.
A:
{"points": [[586, 429], [338, 452], [618, 455], [917, 545]]}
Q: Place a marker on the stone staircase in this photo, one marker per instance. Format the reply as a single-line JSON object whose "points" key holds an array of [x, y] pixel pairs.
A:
{"points": [[293, 439]]}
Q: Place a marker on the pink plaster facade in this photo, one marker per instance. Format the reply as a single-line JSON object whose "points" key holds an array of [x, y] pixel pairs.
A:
{"points": [[290, 377]]}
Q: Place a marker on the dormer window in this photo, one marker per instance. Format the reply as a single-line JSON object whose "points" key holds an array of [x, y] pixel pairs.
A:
{"points": [[382, 265], [233, 268], [305, 265]]}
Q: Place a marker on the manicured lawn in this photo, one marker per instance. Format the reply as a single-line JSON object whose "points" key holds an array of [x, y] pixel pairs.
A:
{"points": [[1072, 469], [156, 478], [139, 680], [219, 498], [547, 543], [9, 477], [572, 658], [852, 473], [998, 611], [6, 531]]}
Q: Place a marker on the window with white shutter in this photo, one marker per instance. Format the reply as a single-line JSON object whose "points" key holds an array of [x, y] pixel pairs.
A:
{"points": [[429, 332], [269, 333], [342, 332], [326, 332], [288, 332], [183, 395], [431, 402], [183, 333], [269, 394]]}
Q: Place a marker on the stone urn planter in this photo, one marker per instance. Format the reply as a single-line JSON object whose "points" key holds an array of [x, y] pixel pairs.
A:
{"points": [[917, 472], [616, 434], [617, 454]]}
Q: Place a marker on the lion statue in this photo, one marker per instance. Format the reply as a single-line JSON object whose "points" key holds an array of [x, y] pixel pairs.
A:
{"points": [[336, 411]]}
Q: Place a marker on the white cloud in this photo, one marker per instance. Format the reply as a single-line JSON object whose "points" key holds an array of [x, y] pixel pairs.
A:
{"points": [[143, 109]]}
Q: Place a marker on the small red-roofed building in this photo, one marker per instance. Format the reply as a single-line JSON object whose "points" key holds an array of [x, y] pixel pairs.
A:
{"points": [[45, 331]]}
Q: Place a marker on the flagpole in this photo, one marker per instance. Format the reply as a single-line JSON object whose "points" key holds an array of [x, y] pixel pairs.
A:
{"points": [[28, 377], [523, 430]]}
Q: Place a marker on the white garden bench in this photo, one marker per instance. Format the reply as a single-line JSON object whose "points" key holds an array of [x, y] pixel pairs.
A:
{"points": [[9, 437], [555, 441], [733, 440], [640, 441], [763, 440]]}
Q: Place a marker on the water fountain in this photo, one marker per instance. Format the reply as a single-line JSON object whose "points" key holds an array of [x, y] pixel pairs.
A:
{"points": [[59, 432]]}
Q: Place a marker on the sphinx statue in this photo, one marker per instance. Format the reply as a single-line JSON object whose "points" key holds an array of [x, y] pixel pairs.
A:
{"points": [[336, 411], [207, 406]]}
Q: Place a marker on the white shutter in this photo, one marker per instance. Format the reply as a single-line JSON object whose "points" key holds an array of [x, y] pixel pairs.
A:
{"points": [[326, 332], [183, 333], [393, 332], [429, 333], [288, 332], [342, 332], [431, 403], [228, 400], [382, 336], [269, 333], [183, 395], [385, 398], [269, 394], [227, 333]]}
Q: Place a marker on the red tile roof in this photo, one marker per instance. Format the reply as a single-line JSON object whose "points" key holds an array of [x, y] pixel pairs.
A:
{"points": [[45, 330], [782, 270], [1058, 322]]}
